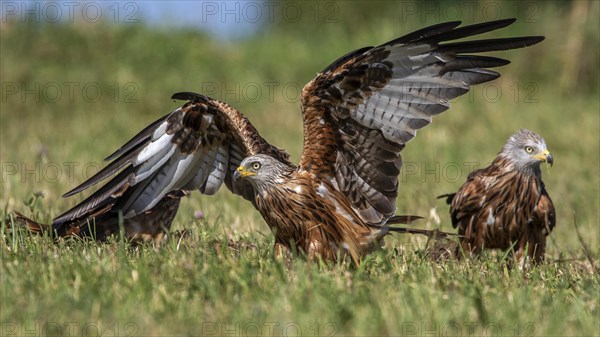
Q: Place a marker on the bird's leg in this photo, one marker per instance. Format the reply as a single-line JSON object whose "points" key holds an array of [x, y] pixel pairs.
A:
{"points": [[521, 255], [471, 241], [159, 239], [539, 253], [470, 248], [315, 249], [537, 247], [282, 252]]}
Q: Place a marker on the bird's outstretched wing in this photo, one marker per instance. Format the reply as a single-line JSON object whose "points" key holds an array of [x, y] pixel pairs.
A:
{"points": [[360, 111], [197, 146]]}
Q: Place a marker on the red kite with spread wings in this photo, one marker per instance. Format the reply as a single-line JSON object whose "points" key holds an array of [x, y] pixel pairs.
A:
{"points": [[359, 113]]}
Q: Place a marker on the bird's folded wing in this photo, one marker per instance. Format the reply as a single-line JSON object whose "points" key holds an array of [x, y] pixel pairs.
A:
{"points": [[362, 109], [197, 146], [545, 213], [466, 204]]}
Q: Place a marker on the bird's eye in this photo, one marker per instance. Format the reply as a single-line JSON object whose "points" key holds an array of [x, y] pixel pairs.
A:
{"points": [[255, 166], [529, 149]]}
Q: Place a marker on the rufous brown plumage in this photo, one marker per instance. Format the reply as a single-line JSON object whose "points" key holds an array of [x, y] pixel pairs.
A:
{"points": [[505, 205], [359, 113]]}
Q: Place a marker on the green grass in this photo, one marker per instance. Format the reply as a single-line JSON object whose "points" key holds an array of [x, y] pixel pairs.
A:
{"points": [[201, 285], [185, 288]]}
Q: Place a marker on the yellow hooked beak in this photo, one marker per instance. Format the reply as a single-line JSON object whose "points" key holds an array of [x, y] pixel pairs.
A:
{"points": [[545, 156], [242, 173]]}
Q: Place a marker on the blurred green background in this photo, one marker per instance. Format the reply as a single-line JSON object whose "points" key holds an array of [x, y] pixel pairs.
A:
{"points": [[73, 91]]}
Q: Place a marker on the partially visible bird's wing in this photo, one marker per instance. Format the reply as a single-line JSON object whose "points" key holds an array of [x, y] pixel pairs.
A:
{"points": [[197, 146], [360, 111], [544, 213], [466, 204], [22, 221], [449, 197]]}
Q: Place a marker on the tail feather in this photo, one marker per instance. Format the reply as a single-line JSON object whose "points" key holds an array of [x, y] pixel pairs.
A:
{"points": [[151, 225], [430, 233], [18, 220], [409, 219], [403, 219], [449, 197]]}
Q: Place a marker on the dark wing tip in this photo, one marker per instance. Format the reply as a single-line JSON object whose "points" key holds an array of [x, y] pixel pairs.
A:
{"points": [[403, 219], [448, 31], [73, 192], [479, 46], [435, 234], [506, 22], [534, 39], [425, 32], [345, 58], [449, 197], [189, 96], [470, 30], [138, 139]]}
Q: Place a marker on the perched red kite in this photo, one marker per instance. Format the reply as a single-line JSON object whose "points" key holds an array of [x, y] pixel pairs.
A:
{"points": [[505, 205], [359, 113]]}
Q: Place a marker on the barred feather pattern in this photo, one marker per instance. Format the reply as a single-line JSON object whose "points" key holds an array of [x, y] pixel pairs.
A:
{"points": [[197, 146], [312, 216], [504, 206], [358, 113]]}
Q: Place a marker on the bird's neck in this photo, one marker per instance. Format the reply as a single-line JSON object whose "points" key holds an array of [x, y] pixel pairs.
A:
{"points": [[277, 178], [507, 165]]}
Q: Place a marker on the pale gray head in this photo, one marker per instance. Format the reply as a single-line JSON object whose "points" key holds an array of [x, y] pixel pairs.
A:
{"points": [[527, 150], [262, 171]]}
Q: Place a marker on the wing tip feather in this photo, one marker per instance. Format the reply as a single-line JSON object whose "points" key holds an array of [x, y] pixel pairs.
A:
{"points": [[425, 32], [189, 96]]}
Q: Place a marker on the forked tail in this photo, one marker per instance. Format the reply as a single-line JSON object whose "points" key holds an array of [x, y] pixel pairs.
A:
{"points": [[18, 220]]}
